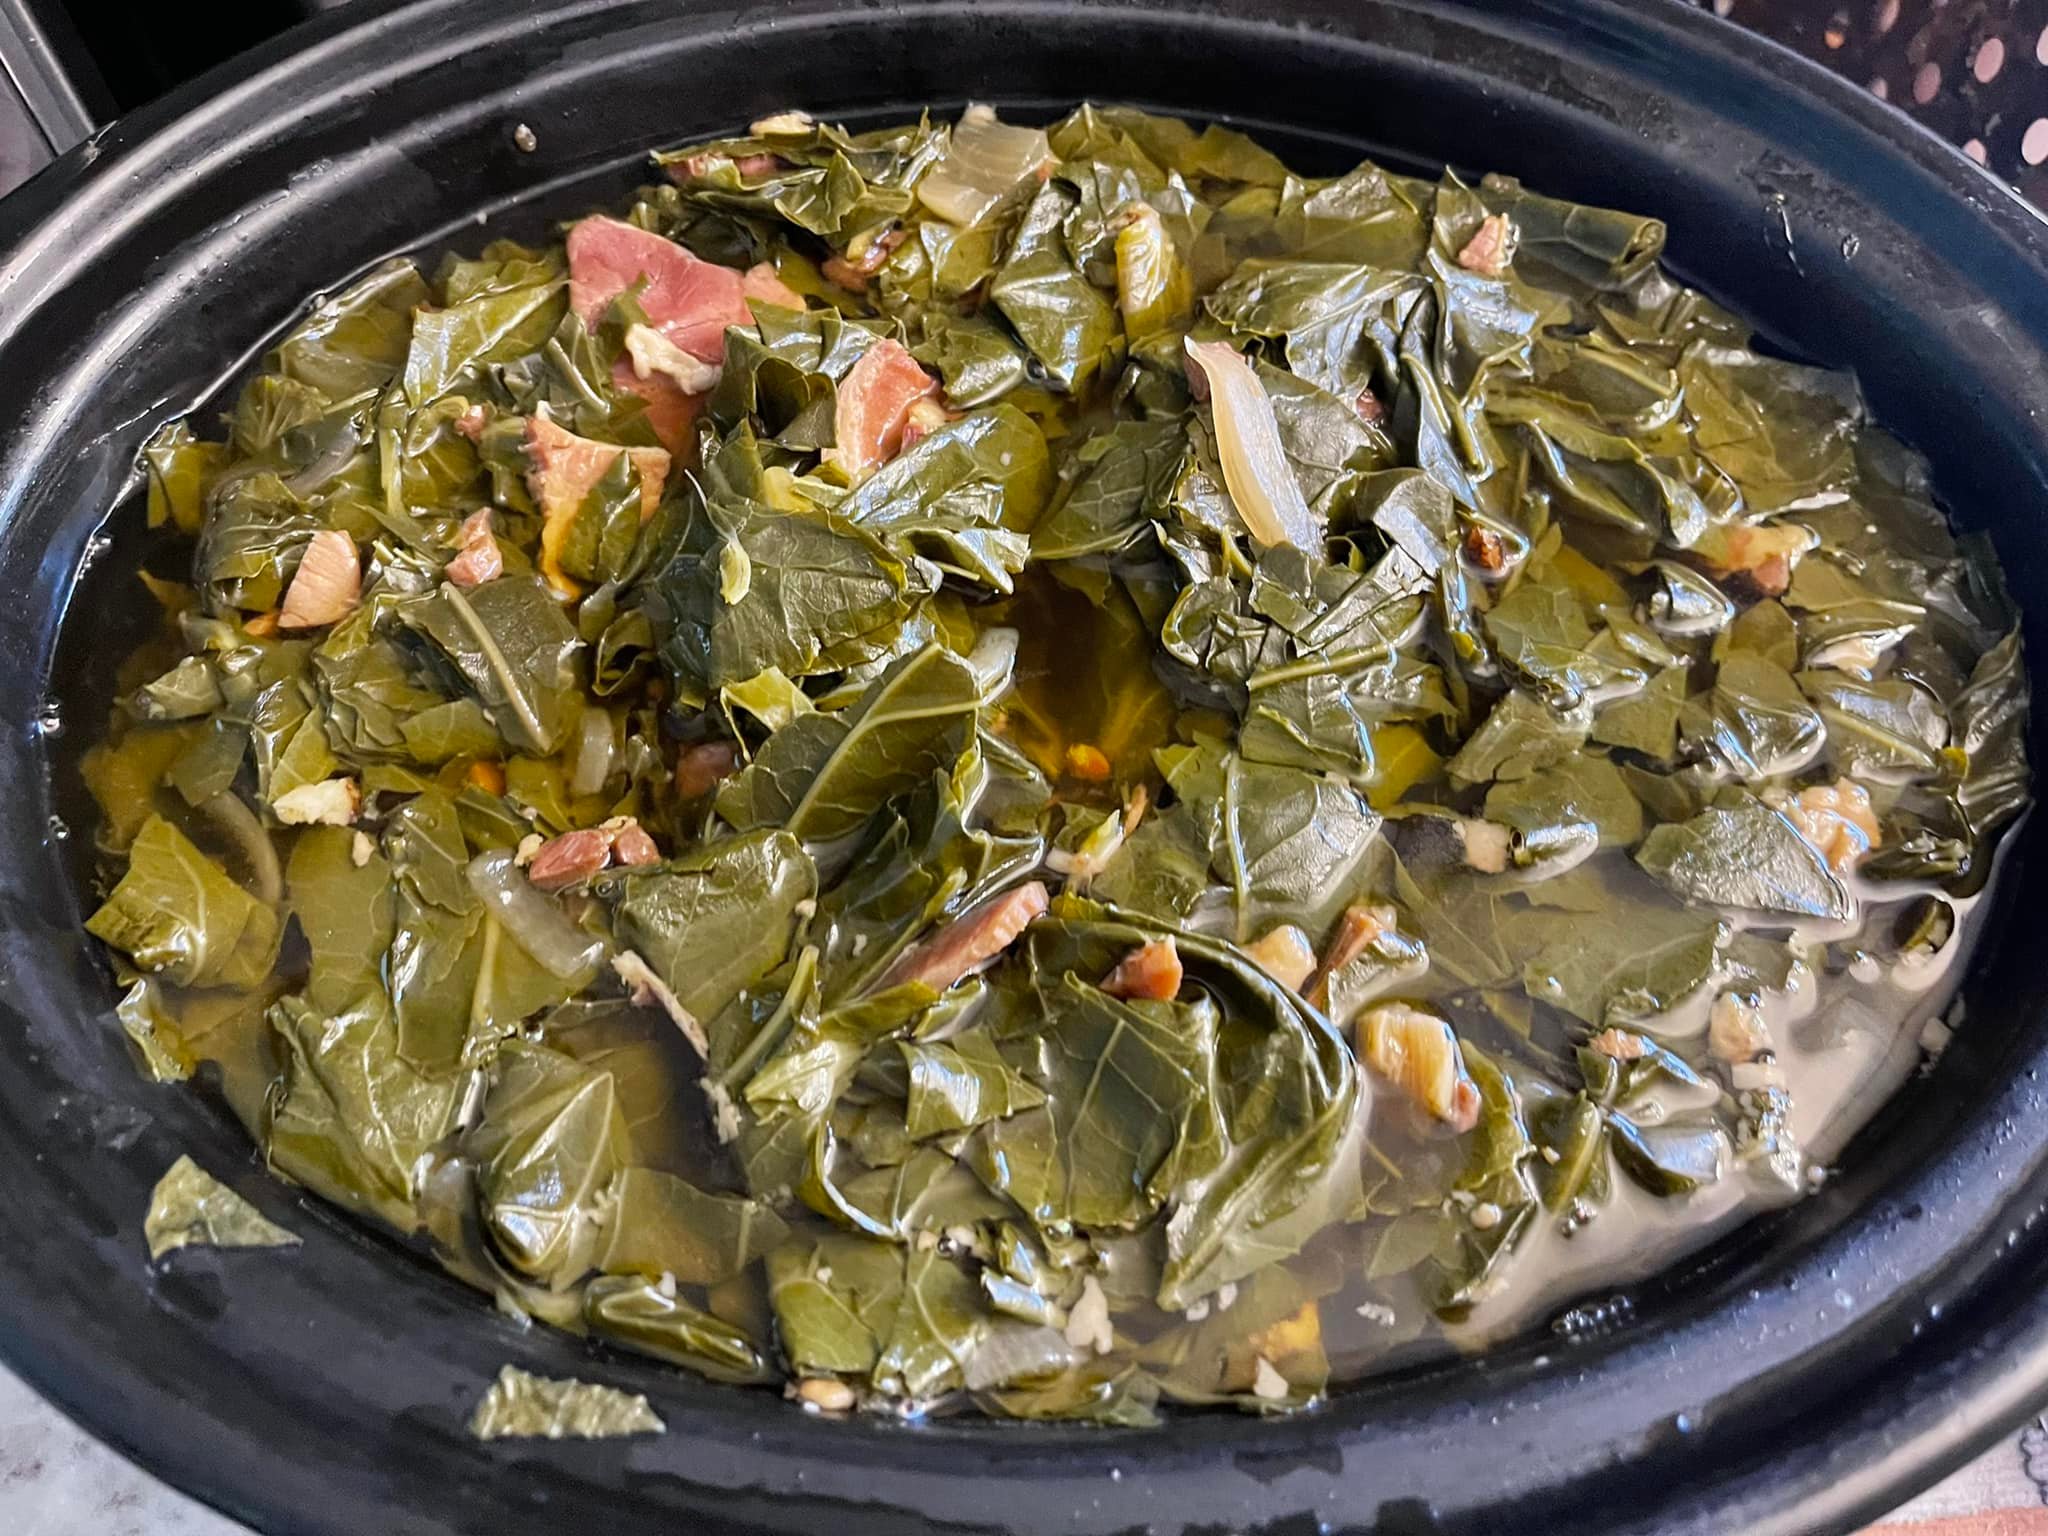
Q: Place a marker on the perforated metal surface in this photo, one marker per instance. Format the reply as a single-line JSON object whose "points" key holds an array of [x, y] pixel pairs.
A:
{"points": [[1974, 71]]}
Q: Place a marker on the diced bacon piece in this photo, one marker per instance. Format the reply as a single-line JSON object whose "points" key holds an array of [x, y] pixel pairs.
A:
{"points": [[471, 423], [689, 300], [630, 842], [570, 859], [1285, 955], [1753, 560], [701, 768], [874, 405], [478, 558], [1150, 971], [1491, 247], [762, 284], [1620, 1044], [561, 469], [974, 937], [1369, 408], [326, 585], [1838, 820], [1486, 550]]}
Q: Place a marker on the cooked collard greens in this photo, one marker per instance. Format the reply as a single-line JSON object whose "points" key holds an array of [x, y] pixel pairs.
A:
{"points": [[1046, 770]]}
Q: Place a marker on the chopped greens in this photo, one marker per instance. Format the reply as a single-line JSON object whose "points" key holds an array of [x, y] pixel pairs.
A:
{"points": [[1047, 770]]}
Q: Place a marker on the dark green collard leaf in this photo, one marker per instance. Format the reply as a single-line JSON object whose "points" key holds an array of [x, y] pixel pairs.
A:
{"points": [[1132, 1094], [642, 1316], [176, 913], [835, 1301], [719, 918], [1115, 485], [1339, 321], [459, 981], [659, 1224], [964, 497], [1780, 431], [1949, 831], [1289, 846], [1669, 1159], [1586, 789], [255, 532], [1286, 1087], [828, 182], [455, 344], [978, 360], [958, 1083], [1067, 324], [940, 1322], [1740, 853], [523, 1406], [1102, 1391], [349, 1118], [511, 644], [998, 447], [933, 857], [549, 1146], [161, 1052], [1544, 639], [784, 371], [822, 595], [356, 340], [186, 692], [1632, 960], [190, 1207], [817, 1058], [1884, 727], [1645, 721], [824, 780], [1520, 735], [1329, 448], [345, 911], [1755, 724], [1991, 729], [928, 1192]]}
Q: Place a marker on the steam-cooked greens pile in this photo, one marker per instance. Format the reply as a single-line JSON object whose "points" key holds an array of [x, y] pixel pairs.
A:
{"points": [[1144, 772]]}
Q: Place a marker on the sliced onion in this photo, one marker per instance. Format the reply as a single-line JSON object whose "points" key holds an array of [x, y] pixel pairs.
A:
{"points": [[535, 922], [986, 161], [1255, 470], [994, 659], [595, 751]]}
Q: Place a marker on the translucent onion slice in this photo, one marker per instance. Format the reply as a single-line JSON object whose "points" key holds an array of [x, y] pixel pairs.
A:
{"points": [[986, 160], [1152, 285], [536, 923], [595, 750], [1255, 470]]}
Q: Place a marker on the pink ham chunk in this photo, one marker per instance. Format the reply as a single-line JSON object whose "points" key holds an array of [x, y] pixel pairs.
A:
{"points": [[977, 935], [875, 401], [689, 300]]}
